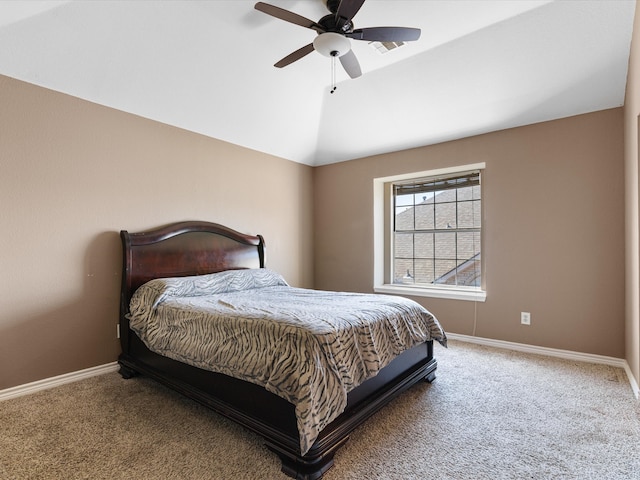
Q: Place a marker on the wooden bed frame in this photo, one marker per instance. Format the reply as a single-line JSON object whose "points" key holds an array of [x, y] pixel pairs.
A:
{"points": [[196, 248]]}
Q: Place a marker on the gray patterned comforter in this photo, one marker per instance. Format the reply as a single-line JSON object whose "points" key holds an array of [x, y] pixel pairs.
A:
{"points": [[310, 347]]}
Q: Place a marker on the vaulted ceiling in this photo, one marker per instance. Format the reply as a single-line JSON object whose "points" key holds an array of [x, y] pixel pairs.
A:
{"points": [[207, 66]]}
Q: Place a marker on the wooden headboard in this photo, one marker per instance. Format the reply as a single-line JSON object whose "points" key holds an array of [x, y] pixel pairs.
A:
{"points": [[183, 249]]}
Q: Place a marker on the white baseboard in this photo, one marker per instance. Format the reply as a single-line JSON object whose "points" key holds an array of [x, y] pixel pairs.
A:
{"points": [[47, 383], [553, 352], [632, 381]]}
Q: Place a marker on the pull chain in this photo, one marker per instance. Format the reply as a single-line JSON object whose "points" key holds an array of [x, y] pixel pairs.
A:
{"points": [[333, 71]]}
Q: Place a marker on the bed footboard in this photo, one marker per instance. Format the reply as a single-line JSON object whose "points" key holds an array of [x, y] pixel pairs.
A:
{"points": [[272, 417]]}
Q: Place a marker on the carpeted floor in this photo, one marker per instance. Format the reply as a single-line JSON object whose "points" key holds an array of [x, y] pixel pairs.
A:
{"points": [[491, 414]]}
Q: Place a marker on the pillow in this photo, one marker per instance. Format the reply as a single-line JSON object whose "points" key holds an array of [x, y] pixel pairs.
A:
{"points": [[149, 295]]}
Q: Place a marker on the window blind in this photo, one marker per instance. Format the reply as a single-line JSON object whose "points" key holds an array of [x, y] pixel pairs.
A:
{"points": [[468, 179]]}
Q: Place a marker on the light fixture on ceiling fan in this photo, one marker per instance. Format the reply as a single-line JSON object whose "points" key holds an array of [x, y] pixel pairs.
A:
{"points": [[334, 31], [333, 45]]}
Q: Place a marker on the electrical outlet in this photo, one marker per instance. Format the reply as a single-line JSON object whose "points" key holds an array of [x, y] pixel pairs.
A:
{"points": [[525, 318]]}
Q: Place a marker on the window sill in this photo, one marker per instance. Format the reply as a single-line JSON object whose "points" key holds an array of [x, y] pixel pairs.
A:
{"points": [[450, 293]]}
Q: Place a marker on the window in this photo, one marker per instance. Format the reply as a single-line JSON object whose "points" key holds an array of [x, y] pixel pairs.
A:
{"points": [[432, 234], [436, 236]]}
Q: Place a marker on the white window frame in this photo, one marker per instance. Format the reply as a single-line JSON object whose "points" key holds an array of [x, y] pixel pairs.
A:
{"points": [[380, 248]]}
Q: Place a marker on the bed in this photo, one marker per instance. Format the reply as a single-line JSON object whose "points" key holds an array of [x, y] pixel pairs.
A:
{"points": [[197, 253]]}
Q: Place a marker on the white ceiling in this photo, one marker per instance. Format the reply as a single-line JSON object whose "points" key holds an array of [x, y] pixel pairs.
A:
{"points": [[207, 66]]}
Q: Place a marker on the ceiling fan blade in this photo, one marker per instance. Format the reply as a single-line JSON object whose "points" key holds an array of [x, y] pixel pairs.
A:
{"points": [[350, 64], [385, 34], [348, 8], [297, 55], [288, 16]]}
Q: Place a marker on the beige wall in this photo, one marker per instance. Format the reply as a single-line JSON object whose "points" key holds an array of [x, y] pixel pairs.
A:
{"points": [[631, 125], [72, 174], [554, 231]]}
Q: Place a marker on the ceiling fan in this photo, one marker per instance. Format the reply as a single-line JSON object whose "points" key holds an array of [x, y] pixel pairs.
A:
{"points": [[335, 30]]}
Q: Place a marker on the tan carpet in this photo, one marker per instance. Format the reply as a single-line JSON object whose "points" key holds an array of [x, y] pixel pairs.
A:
{"points": [[491, 414]]}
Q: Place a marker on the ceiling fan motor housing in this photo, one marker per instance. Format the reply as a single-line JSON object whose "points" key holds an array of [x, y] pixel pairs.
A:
{"points": [[331, 23], [332, 5]]}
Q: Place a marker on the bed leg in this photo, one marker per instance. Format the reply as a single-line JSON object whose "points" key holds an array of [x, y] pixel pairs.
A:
{"points": [[127, 372], [430, 378], [294, 470], [307, 467]]}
